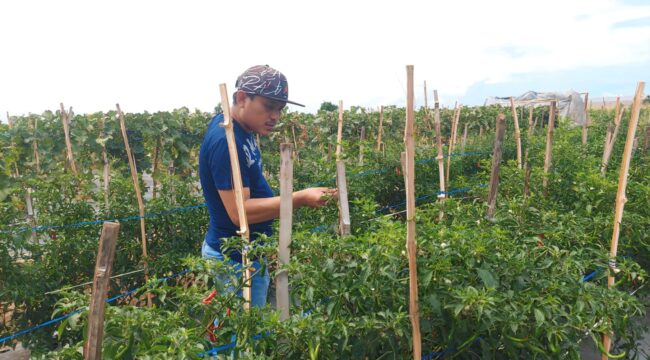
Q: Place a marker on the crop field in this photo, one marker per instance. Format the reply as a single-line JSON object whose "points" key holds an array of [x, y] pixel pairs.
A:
{"points": [[523, 277]]}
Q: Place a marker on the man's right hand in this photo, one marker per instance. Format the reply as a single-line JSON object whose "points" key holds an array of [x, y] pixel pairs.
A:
{"points": [[313, 197]]}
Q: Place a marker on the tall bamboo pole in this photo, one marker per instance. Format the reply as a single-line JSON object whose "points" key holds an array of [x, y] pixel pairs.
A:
{"points": [[381, 127], [34, 125], [286, 220], [586, 124], [239, 193], [515, 119], [138, 195], [339, 134], [621, 198], [497, 154], [452, 138], [68, 144], [409, 175], [548, 156]]}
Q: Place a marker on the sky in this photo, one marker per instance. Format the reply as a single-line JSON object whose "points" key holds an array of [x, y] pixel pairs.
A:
{"points": [[161, 55]]}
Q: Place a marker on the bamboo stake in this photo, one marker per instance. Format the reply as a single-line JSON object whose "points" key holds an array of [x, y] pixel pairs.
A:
{"points": [[362, 138], [138, 195], [344, 209], [610, 129], [440, 157], [68, 144], [464, 141], [409, 180], [286, 220], [621, 198], [497, 154], [531, 126], [35, 144], [154, 170], [11, 125], [381, 127], [239, 192], [607, 154], [30, 213], [339, 134], [107, 169], [586, 124], [452, 138], [515, 119], [101, 285], [549, 146], [646, 137]]}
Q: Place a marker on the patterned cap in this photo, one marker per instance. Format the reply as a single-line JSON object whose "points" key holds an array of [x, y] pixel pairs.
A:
{"points": [[265, 81]]}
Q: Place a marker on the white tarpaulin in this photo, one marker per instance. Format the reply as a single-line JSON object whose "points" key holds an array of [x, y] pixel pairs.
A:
{"points": [[570, 104]]}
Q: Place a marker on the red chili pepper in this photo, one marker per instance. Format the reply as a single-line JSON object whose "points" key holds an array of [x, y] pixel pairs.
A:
{"points": [[208, 299]]}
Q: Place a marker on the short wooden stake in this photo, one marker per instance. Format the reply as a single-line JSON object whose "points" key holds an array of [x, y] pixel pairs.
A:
{"points": [[107, 168], [68, 145], [101, 285], [411, 246], [497, 154], [621, 198], [138, 195], [30, 213], [239, 193], [286, 221], [344, 209], [548, 156], [515, 119], [531, 124]]}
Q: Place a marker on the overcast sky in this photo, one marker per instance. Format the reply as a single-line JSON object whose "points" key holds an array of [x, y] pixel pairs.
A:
{"points": [[160, 55]]}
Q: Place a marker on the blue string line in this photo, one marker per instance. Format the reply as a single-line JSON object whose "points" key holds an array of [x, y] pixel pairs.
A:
{"points": [[95, 222], [63, 317]]}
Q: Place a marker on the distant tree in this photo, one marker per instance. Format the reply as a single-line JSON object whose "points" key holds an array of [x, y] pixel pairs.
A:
{"points": [[328, 106], [646, 100]]}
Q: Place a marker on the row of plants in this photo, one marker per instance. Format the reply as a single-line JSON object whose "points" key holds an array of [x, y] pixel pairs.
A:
{"points": [[175, 235]]}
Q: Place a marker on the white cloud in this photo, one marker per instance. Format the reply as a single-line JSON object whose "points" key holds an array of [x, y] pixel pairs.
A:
{"points": [[157, 55]]}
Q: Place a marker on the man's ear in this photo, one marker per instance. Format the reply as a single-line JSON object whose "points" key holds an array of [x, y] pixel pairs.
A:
{"points": [[241, 97]]}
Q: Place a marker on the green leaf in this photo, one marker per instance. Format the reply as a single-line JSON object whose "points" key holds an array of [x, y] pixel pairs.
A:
{"points": [[488, 278], [539, 316]]}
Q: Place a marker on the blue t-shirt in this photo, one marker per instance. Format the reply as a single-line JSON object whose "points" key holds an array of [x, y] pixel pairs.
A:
{"points": [[216, 174]]}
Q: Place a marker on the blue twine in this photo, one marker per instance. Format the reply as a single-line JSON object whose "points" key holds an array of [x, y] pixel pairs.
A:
{"points": [[63, 317], [95, 222]]}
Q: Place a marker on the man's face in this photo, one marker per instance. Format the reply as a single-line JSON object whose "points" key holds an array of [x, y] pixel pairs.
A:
{"points": [[259, 114]]}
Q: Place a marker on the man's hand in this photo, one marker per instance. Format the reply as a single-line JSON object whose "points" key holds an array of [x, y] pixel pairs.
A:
{"points": [[314, 197]]}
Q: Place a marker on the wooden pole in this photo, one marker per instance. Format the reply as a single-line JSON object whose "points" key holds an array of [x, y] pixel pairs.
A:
{"points": [[286, 220], [381, 127], [362, 138], [411, 246], [452, 138], [339, 134], [344, 209], [586, 124], [531, 125], [515, 119], [610, 128], [68, 144], [35, 144], [464, 141], [440, 157], [11, 125], [101, 285], [239, 192], [621, 198], [30, 213], [154, 167], [107, 167], [497, 154], [138, 195], [607, 154], [549, 146]]}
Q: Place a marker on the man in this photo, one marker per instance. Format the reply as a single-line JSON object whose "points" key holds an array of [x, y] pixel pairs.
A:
{"points": [[262, 92]]}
